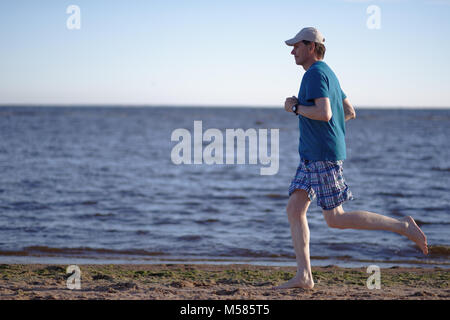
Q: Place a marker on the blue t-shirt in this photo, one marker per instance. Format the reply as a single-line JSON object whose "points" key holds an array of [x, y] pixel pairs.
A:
{"points": [[320, 140]]}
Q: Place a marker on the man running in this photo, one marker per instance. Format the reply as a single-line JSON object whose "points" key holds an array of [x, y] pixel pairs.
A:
{"points": [[322, 108]]}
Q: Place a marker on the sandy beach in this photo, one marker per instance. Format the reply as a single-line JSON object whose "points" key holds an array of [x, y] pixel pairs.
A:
{"points": [[224, 282]]}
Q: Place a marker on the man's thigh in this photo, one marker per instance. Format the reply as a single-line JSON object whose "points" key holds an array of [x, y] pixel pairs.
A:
{"points": [[338, 209], [331, 213]]}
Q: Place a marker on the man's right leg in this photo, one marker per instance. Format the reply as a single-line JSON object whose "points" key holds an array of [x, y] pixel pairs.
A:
{"points": [[365, 220], [296, 210]]}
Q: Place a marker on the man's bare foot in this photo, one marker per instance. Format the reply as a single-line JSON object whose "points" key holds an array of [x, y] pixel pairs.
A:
{"points": [[416, 235], [297, 282]]}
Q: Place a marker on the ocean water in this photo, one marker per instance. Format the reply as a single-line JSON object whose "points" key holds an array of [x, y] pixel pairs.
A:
{"points": [[97, 185]]}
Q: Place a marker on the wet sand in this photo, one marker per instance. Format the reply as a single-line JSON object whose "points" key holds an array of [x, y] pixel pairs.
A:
{"points": [[204, 282]]}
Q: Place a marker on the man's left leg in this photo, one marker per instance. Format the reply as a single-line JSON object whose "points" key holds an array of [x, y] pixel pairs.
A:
{"points": [[296, 210]]}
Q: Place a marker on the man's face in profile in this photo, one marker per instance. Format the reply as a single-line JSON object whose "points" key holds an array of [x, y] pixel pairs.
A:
{"points": [[301, 53]]}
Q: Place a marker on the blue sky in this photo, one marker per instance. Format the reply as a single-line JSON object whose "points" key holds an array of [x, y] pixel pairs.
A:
{"points": [[220, 52]]}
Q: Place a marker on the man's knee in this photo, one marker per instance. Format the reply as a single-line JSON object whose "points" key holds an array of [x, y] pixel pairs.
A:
{"points": [[293, 212], [333, 217], [298, 204]]}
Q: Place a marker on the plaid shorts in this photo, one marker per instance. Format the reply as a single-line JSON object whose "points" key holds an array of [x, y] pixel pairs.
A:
{"points": [[323, 179]]}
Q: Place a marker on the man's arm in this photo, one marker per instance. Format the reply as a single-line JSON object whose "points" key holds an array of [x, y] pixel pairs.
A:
{"points": [[320, 111], [349, 111]]}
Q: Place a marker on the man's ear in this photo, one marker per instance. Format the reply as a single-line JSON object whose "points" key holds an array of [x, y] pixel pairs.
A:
{"points": [[312, 47]]}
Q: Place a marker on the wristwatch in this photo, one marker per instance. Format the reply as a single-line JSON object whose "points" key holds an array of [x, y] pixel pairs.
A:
{"points": [[294, 109]]}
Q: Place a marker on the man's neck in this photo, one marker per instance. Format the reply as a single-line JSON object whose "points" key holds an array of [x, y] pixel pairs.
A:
{"points": [[309, 63]]}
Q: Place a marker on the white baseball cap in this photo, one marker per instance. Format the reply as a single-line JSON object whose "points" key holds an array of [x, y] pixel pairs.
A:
{"points": [[309, 34]]}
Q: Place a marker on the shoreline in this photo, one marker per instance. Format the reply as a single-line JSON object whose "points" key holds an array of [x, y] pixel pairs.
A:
{"points": [[217, 282], [342, 263], [437, 257]]}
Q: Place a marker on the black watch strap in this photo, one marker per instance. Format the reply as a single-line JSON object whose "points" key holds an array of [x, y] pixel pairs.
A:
{"points": [[295, 108]]}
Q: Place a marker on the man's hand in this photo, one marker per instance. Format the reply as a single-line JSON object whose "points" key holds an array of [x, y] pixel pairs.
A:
{"points": [[321, 110], [349, 111], [289, 103]]}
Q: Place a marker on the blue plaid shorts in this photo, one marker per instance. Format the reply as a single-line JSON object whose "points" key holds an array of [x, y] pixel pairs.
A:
{"points": [[323, 179]]}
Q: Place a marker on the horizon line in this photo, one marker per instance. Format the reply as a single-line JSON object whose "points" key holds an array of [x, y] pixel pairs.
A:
{"points": [[105, 105]]}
